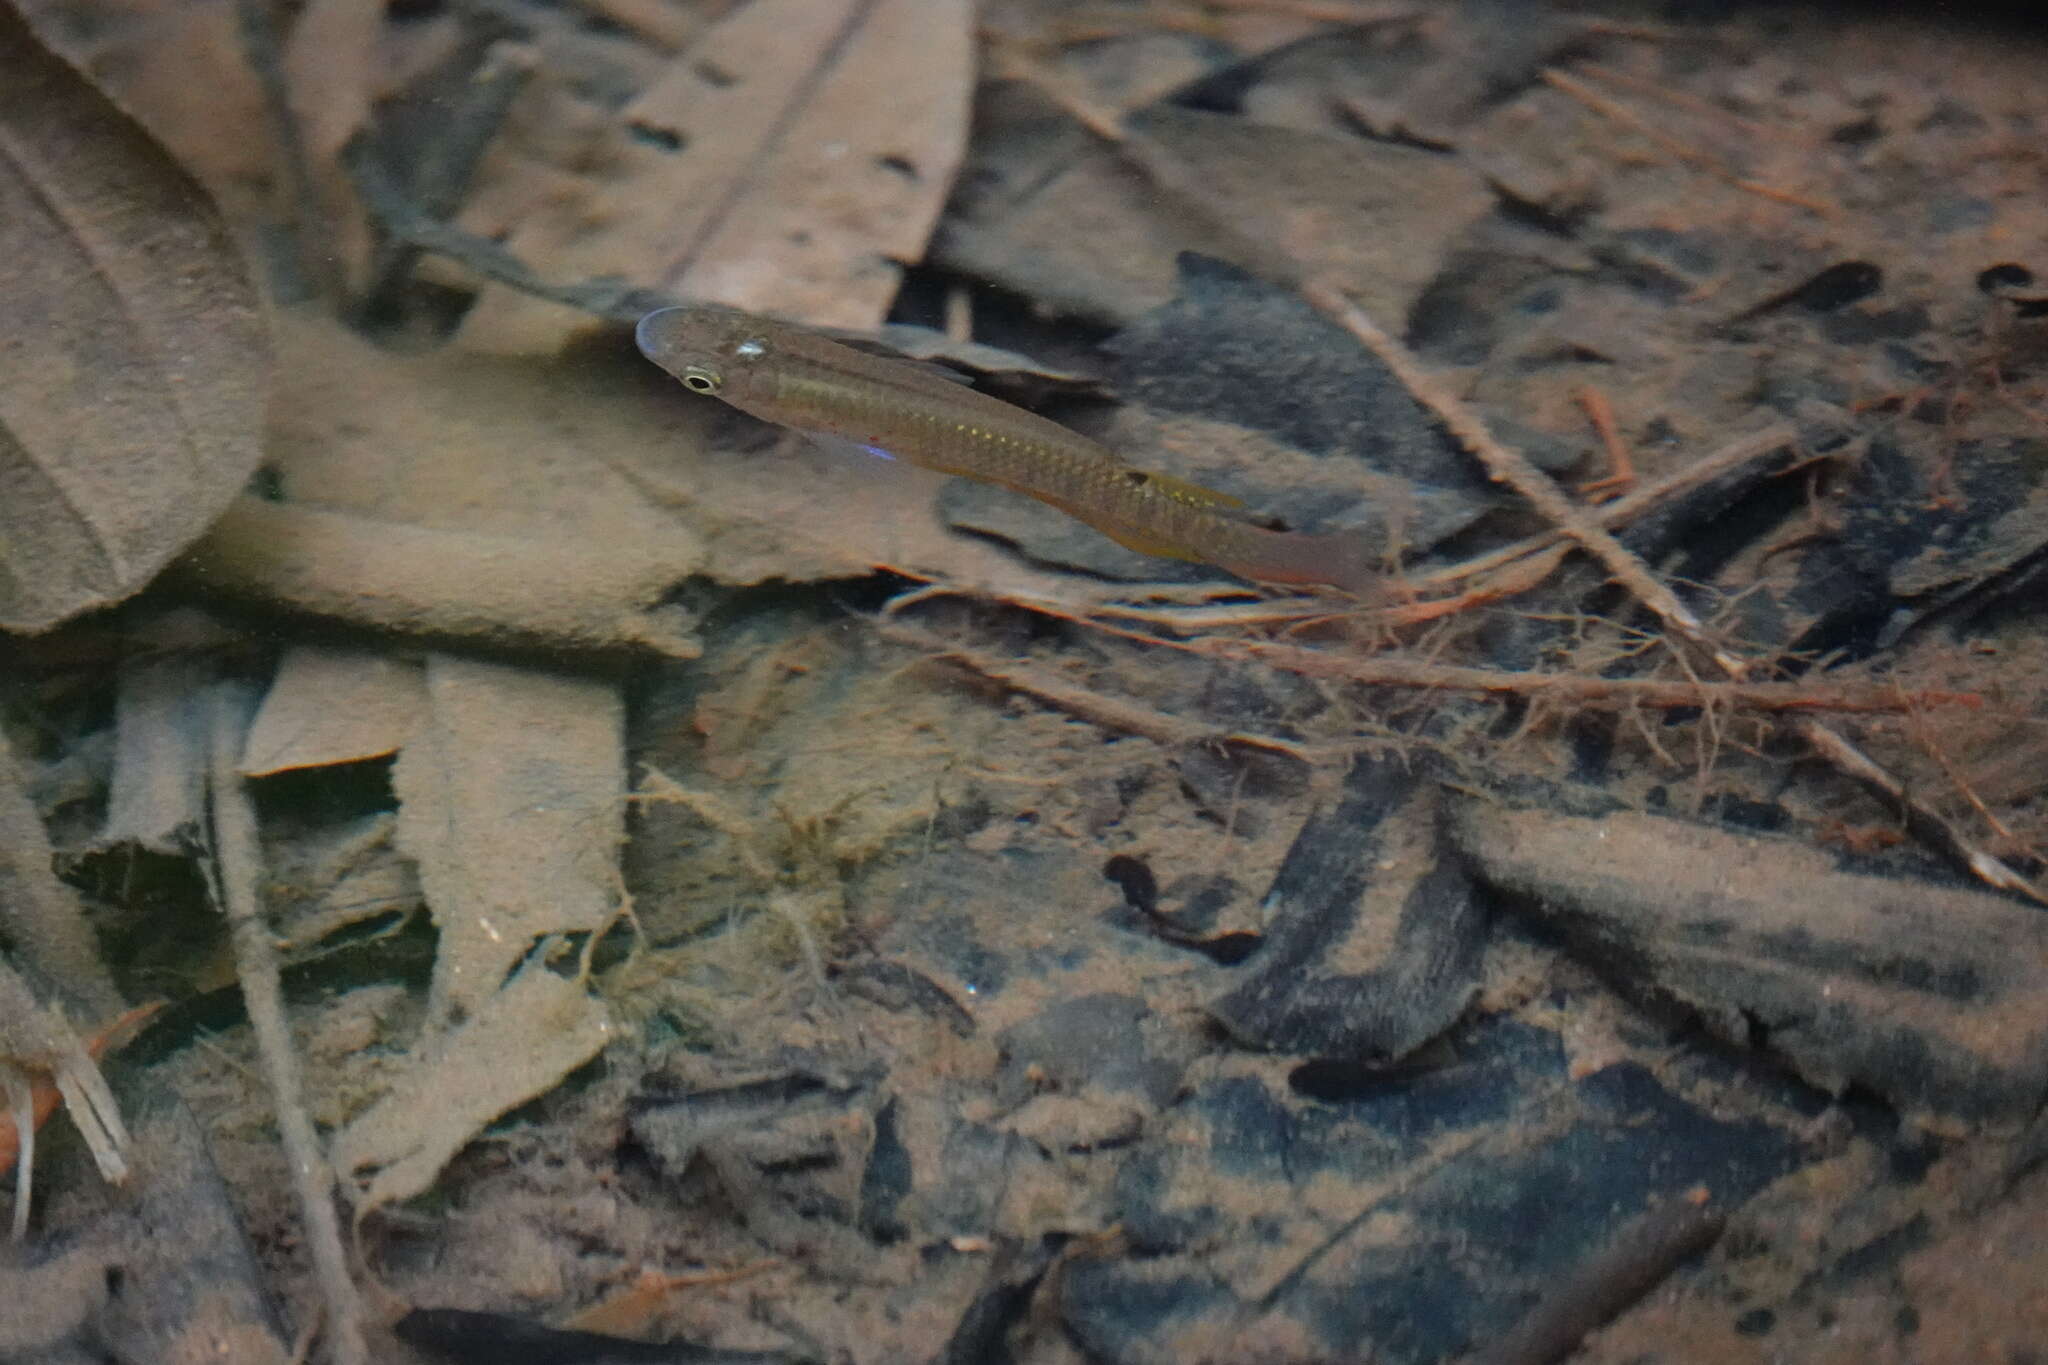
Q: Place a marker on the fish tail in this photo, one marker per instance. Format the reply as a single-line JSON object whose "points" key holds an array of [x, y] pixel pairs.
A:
{"points": [[1344, 560]]}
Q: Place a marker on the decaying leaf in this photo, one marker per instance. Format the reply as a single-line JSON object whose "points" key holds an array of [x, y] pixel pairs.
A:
{"points": [[1096, 230], [156, 795], [41, 918], [784, 164], [330, 62], [528, 1036], [134, 360], [513, 807], [332, 704], [182, 71], [583, 454]]}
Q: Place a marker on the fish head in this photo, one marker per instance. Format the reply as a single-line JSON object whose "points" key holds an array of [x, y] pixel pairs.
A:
{"points": [[712, 351]]}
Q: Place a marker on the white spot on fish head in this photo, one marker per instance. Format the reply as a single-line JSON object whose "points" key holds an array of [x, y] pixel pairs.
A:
{"points": [[753, 348]]}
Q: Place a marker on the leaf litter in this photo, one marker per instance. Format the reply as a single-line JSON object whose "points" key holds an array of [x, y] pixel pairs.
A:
{"points": [[875, 1028], [136, 361]]}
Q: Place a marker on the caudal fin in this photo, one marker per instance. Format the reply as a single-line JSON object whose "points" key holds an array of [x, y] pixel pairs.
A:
{"points": [[1343, 560]]}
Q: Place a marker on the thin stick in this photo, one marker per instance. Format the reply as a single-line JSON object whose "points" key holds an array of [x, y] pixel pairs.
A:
{"points": [[1113, 713], [237, 872], [1678, 99], [1614, 109], [1621, 466], [1510, 466], [1628, 507], [1383, 671], [1662, 693], [1519, 577], [1925, 822]]}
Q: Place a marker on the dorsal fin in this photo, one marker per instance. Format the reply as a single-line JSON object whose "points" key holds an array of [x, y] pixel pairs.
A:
{"points": [[939, 378]]}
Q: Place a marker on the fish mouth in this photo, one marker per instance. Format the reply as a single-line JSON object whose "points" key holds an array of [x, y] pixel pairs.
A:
{"points": [[646, 333]]}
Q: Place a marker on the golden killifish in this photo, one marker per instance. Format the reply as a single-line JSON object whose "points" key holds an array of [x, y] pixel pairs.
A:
{"points": [[799, 379]]}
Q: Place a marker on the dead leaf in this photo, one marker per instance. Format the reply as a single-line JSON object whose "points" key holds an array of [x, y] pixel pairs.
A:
{"points": [[594, 457], [491, 591], [1097, 230], [156, 794], [180, 70], [330, 64], [331, 704], [131, 393], [512, 802], [523, 1040], [41, 917], [490, 511], [785, 164]]}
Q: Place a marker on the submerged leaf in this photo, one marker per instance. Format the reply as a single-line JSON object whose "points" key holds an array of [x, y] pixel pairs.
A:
{"points": [[519, 1044], [785, 164], [134, 360]]}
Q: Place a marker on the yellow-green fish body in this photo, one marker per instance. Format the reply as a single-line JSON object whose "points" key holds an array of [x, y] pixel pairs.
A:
{"points": [[799, 379]]}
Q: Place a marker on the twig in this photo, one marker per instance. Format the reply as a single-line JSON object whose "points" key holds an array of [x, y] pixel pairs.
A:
{"points": [[1614, 109], [1621, 466], [1510, 466], [1647, 1249], [627, 1312], [1114, 713], [1678, 99], [1628, 507], [1383, 671], [1923, 820], [237, 873], [1663, 693]]}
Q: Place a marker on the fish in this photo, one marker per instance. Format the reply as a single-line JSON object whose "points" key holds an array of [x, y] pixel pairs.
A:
{"points": [[907, 410]]}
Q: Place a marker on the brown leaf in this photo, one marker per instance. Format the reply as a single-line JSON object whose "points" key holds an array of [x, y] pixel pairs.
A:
{"points": [[134, 361], [330, 65], [331, 704], [784, 164], [182, 71], [510, 800], [519, 1043]]}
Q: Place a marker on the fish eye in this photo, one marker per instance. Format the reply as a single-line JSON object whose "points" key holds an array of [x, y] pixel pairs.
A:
{"points": [[697, 379]]}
